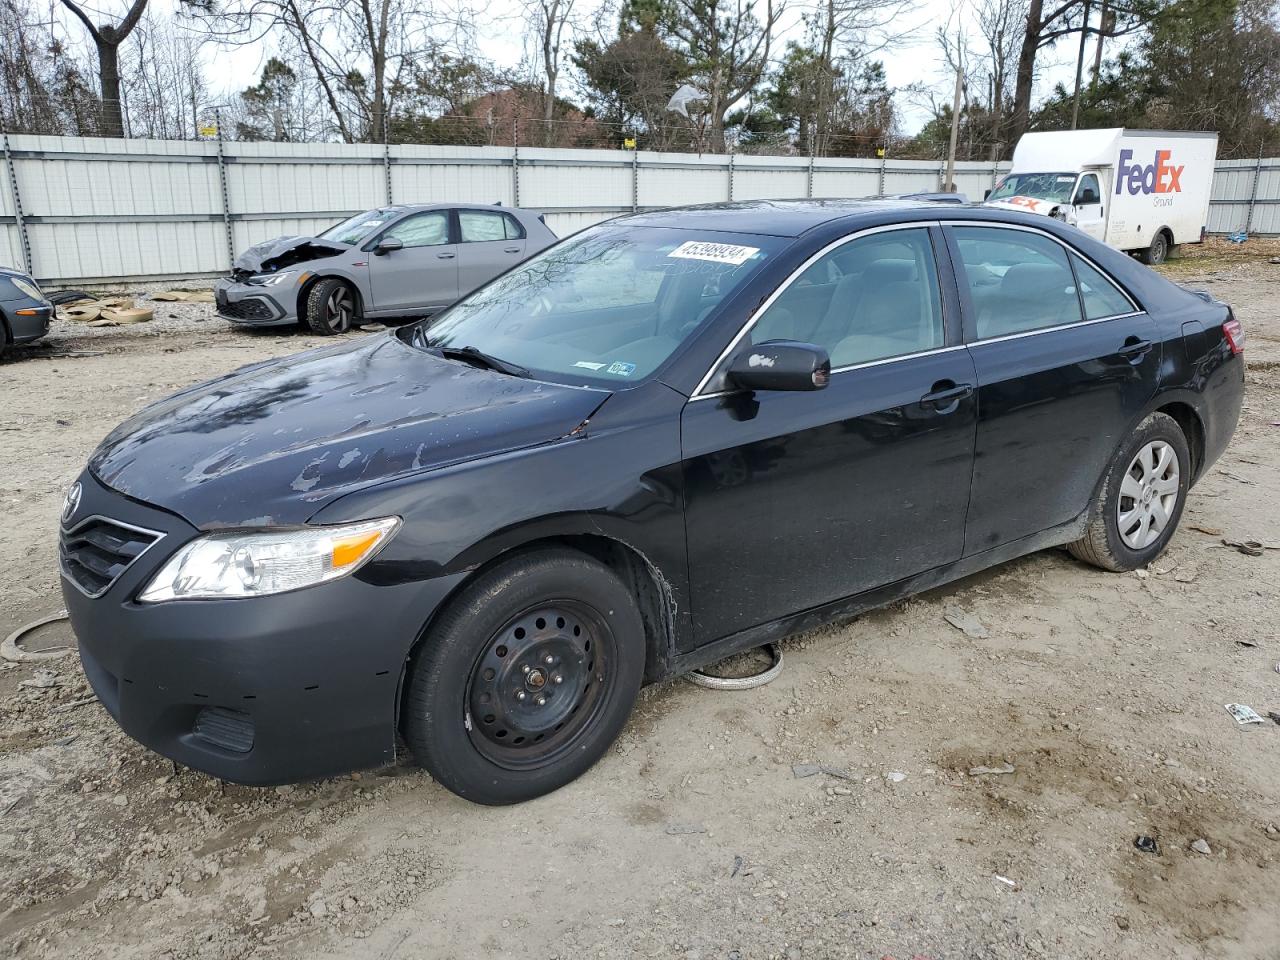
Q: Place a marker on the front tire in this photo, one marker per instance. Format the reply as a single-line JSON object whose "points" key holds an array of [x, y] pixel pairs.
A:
{"points": [[331, 307], [526, 678], [1141, 500], [1158, 252]]}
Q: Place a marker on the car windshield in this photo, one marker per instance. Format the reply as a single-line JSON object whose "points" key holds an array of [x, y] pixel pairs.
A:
{"points": [[357, 228], [607, 306], [1042, 186]]}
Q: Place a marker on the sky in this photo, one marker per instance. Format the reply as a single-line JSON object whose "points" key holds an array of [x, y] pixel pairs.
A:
{"points": [[498, 36]]}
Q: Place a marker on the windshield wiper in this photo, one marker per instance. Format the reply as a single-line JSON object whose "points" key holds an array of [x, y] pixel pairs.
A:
{"points": [[475, 355]]}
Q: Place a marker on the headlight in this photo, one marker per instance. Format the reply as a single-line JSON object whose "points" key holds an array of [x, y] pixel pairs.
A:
{"points": [[271, 279], [28, 287], [229, 565]]}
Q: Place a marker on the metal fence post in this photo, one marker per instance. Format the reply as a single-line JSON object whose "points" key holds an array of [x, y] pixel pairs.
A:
{"points": [[808, 187], [226, 200], [884, 161], [515, 161], [386, 153], [731, 156], [17, 209], [635, 179], [1253, 191]]}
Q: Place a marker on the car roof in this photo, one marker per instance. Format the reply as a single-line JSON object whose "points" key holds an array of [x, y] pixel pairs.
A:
{"points": [[791, 218], [458, 205]]}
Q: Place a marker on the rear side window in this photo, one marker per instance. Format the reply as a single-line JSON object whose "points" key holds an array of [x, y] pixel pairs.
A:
{"points": [[1018, 281], [870, 299], [1102, 298], [422, 229], [480, 226]]}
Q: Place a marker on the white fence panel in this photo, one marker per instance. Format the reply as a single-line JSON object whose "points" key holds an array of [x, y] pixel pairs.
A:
{"points": [[100, 209]]}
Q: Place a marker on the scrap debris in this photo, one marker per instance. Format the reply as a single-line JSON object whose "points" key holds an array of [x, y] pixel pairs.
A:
{"points": [[1243, 714], [983, 771]]}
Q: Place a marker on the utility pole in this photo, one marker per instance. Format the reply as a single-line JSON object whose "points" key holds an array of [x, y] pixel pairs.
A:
{"points": [[1097, 52], [950, 185], [1084, 36]]}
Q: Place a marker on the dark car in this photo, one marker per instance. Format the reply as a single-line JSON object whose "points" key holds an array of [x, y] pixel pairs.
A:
{"points": [[668, 438], [25, 314], [409, 260]]}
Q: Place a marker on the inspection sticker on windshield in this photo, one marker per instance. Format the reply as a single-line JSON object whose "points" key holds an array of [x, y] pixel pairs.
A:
{"points": [[715, 252], [621, 369]]}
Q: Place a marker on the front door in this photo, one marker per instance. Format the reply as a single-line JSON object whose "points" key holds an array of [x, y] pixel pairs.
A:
{"points": [[798, 499], [422, 276], [1089, 207], [490, 242], [1065, 363]]}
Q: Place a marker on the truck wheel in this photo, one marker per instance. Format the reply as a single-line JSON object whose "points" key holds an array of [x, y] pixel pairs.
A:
{"points": [[1158, 252], [1141, 500], [331, 307], [526, 678]]}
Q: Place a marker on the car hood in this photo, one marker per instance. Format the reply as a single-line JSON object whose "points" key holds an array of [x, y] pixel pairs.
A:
{"points": [[274, 442], [1026, 205], [280, 252]]}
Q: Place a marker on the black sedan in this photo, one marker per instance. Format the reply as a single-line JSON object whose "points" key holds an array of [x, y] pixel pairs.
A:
{"points": [[25, 314], [668, 438]]}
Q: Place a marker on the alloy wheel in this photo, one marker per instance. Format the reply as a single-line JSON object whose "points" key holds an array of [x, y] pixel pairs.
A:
{"points": [[339, 310], [1148, 495], [539, 683]]}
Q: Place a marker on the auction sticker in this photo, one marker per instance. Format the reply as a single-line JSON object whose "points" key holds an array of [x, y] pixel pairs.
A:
{"points": [[715, 252]]}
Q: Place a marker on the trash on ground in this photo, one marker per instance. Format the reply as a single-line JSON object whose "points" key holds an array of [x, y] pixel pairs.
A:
{"points": [[685, 829], [1274, 717], [12, 651], [1250, 548], [983, 771], [1006, 880], [966, 623], [1242, 713], [805, 770], [1211, 531], [1246, 643], [42, 679], [767, 675], [1147, 844], [895, 776], [1201, 846]]}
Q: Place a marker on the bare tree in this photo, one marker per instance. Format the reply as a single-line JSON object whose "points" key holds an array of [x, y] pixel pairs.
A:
{"points": [[107, 38], [552, 26]]}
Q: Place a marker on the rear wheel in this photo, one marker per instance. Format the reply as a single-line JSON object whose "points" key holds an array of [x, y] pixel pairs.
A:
{"points": [[4, 339], [526, 678], [1141, 500], [1158, 252], [331, 307]]}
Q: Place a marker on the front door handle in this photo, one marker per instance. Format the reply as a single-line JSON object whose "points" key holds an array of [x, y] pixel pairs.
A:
{"points": [[445, 256], [946, 395], [1135, 349]]}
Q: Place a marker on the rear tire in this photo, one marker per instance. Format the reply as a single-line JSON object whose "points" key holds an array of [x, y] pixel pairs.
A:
{"points": [[331, 307], [1158, 252], [526, 678], [1141, 500], [4, 339]]}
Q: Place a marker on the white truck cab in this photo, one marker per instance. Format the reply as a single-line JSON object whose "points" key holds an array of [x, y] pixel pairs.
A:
{"points": [[1142, 191]]}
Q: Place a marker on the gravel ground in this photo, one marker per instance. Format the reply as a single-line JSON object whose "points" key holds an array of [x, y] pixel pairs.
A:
{"points": [[838, 812]]}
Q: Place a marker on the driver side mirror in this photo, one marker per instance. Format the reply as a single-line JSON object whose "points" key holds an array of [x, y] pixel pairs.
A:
{"points": [[387, 245], [781, 365], [1087, 195]]}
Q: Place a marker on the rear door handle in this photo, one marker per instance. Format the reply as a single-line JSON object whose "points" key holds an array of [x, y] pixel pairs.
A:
{"points": [[445, 256], [511, 250], [941, 396], [1135, 349]]}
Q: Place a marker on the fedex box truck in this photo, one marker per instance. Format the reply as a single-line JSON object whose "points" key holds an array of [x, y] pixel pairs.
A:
{"points": [[1143, 191]]}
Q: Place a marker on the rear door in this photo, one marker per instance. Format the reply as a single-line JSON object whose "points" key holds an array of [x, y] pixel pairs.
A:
{"points": [[422, 276], [1065, 362], [794, 500], [489, 242]]}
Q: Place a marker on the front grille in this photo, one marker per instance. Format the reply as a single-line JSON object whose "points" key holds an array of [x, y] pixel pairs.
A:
{"points": [[228, 729], [97, 551], [251, 309]]}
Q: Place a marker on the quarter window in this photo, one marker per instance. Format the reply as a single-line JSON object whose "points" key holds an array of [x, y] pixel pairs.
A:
{"points": [[481, 226], [1102, 298], [1018, 281], [870, 299], [422, 229]]}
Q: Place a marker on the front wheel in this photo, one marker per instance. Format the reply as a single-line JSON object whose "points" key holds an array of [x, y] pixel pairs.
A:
{"points": [[1141, 500], [526, 678], [1158, 252], [331, 307]]}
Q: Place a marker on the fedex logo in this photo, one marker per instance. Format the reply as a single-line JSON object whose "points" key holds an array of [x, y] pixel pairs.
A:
{"points": [[1158, 177]]}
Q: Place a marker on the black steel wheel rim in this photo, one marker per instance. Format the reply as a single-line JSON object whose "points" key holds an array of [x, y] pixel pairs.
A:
{"points": [[339, 310], [539, 684]]}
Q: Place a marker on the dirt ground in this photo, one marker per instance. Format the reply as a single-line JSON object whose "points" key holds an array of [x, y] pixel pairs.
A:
{"points": [[702, 834]]}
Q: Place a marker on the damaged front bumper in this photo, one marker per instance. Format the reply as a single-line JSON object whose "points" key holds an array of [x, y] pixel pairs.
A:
{"points": [[256, 305]]}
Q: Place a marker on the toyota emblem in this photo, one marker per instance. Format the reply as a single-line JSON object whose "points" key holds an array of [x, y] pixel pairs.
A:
{"points": [[72, 502]]}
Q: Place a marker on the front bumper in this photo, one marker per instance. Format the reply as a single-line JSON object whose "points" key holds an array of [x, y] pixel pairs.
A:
{"points": [[31, 324], [255, 306], [260, 691]]}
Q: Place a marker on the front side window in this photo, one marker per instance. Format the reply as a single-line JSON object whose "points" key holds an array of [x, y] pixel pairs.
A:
{"points": [[1088, 189], [1018, 280], [872, 298], [607, 306], [1043, 186], [428, 229], [480, 226]]}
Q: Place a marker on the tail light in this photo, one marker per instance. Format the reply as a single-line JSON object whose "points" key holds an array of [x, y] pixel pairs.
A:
{"points": [[1234, 332]]}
